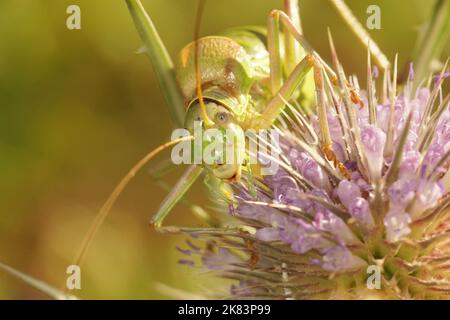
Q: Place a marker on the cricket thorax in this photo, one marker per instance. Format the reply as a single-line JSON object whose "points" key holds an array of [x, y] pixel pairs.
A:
{"points": [[233, 70]]}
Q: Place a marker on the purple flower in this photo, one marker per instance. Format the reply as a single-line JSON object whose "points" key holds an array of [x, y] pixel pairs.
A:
{"points": [[268, 234], [217, 260], [410, 163], [359, 209], [440, 77], [402, 192], [397, 224], [428, 195], [327, 221], [323, 220], [302, 236], [373, 140], [308, 168], [375, 72], [411, 72], [339, 258], [347, 191]]}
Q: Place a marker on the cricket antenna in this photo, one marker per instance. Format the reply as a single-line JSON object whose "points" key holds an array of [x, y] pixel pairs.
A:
{"points": [[198, 75], [101, 215]]}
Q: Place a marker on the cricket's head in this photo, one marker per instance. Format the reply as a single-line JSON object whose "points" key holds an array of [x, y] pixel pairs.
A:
{"points": [[219, 137]]}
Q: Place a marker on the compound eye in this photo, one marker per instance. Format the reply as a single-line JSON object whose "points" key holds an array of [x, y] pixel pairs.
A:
{"points": [[222, 117]]}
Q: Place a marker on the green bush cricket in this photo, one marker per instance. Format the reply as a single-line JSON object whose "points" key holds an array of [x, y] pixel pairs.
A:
{"points": [[240, 79]]}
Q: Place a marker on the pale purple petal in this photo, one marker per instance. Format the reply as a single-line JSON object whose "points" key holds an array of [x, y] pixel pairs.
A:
{"points": [[302, 236], [402, 192], [268, 234], [359, 209], [339, 258], [397, 224], [217, 260], [428, 194], [347, 191], [327, 221], [373, 140]]}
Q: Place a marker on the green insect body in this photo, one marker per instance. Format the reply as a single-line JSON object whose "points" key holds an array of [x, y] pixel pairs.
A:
{"points": [[234, 70], [244, 75], [238, 80], [233, 83], [235, 73], [229, 73]]}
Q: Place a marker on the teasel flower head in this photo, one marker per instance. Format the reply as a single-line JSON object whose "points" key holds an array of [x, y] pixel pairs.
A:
{"points": [[360, 206]]}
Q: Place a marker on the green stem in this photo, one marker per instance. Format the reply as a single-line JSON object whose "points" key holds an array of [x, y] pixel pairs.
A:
{"points": [[162, 64], [431, 43]]}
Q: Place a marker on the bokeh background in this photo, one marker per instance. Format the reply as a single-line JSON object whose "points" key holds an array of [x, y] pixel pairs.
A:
{"points": [[79, 108]]}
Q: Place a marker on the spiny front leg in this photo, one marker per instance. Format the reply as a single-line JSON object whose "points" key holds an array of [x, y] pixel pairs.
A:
{"points": [[182, 186], [292, 50], [279, 90], [218, 189], [277, 103], [292, 29]]}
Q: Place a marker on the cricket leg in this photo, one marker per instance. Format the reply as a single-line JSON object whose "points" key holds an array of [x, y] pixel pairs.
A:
{"points": [[292, 50], [286, 22], [185, 182], [157, 174], [273, 46], [277, 103], [275, 19], [291, 28], [162, 64], [174, 196], [293, 53], [291, 47]]}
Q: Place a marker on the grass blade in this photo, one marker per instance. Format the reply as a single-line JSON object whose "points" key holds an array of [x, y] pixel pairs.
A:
{"points": [[160, 59], [37, 284]]}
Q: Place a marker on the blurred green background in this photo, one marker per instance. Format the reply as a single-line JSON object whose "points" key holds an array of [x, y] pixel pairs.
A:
{"points": [[79, 108]]}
